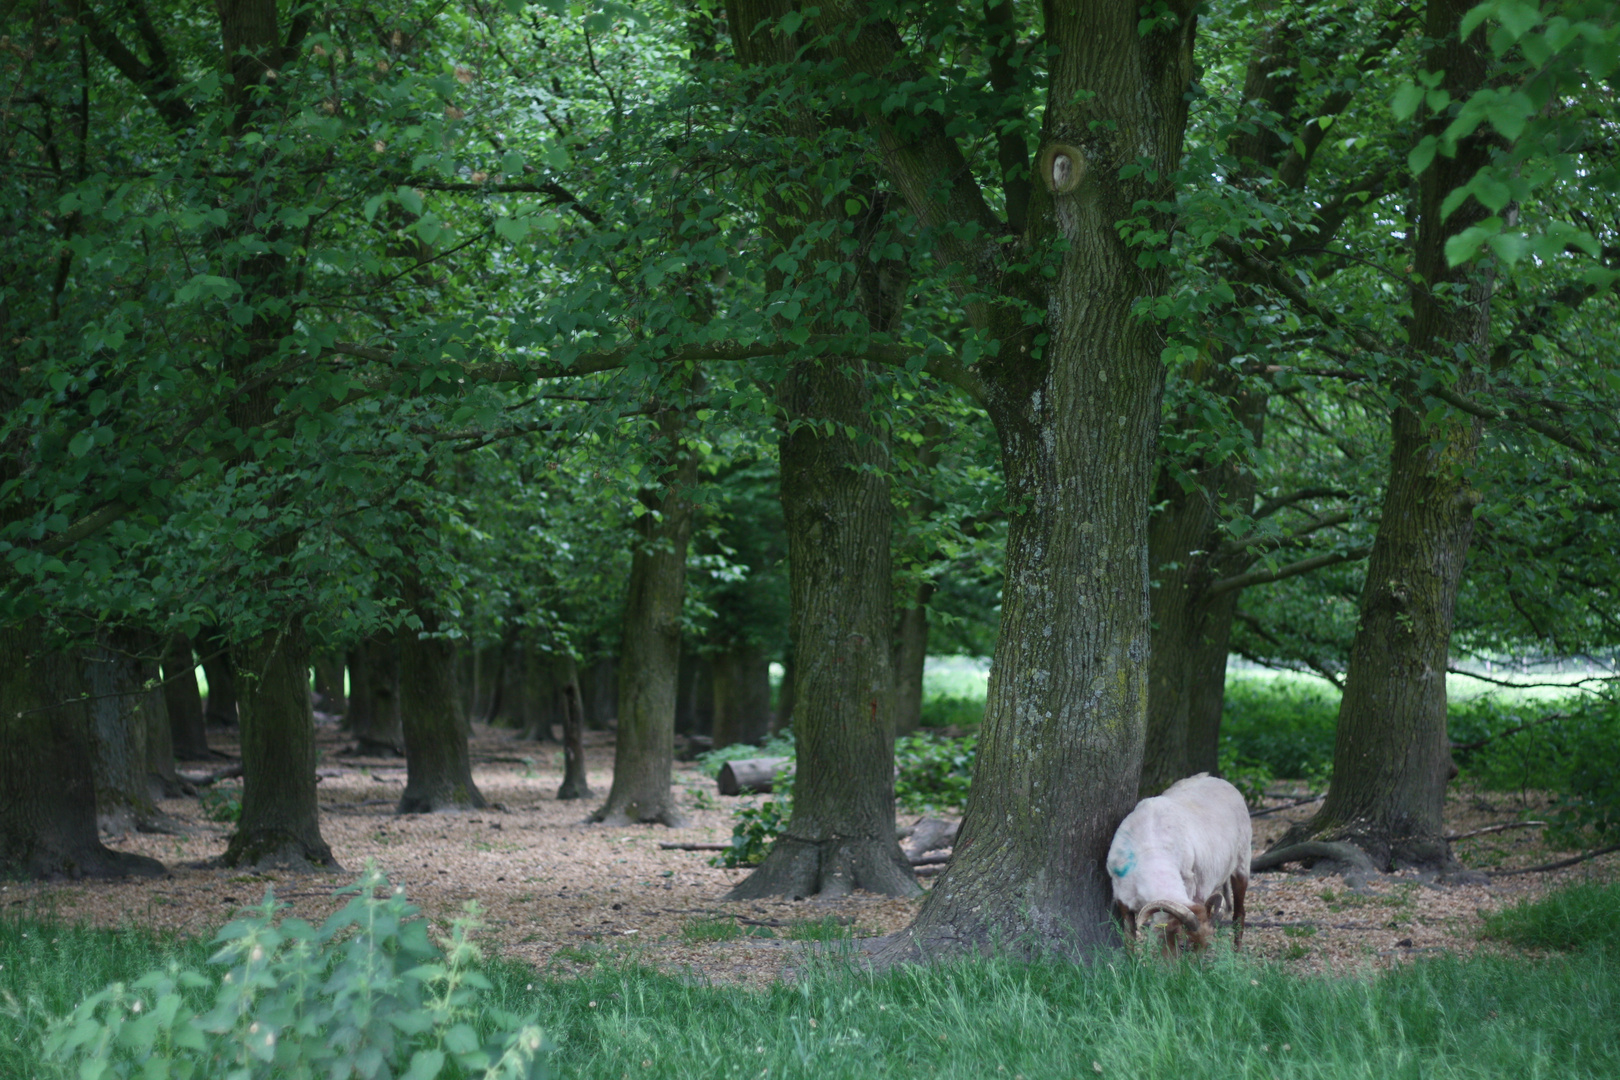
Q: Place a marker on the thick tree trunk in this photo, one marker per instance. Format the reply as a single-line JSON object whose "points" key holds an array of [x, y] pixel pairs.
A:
{"points": [[650, 657], [47, 791], [694, 695], [377, 718], [782, 719], [1391, 756], [599, 683], [220, 706], [1206, 696], [910, 657], [575, 784], [280, 825], [437, 764], [742, 696], [189, 731], [1077, 412], [163, 782], [331, 697], [545, 708], [118, 738], [835, 496]]}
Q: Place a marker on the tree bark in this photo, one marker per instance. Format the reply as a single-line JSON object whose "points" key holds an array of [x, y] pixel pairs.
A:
{"points": [[162, 781], [376, 712], [650, 656], [220, 706], [280, 825], [189, 731], [1391, 756], [575, 785], [438, 767], [47, 791], [910, 657], [742, 696], [329, 683], [1076, 408], [599, 683], [694, 695], [118, 738]]}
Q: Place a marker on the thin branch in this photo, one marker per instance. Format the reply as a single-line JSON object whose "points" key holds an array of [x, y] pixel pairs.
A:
{"points": [[1309, 661], [1265, 577], [1551, 431], [1477, 743], [1487, 830], [560, 196], [1271, 506], [1559, 865]]}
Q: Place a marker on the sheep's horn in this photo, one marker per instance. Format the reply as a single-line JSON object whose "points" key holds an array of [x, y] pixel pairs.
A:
{"points": [[1177, 911]]}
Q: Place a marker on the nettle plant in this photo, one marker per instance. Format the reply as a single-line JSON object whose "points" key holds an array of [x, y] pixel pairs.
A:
{"points": [[367, 994]]}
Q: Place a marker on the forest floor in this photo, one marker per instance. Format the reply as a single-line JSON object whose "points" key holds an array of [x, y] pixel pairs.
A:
{"points": [[562, 894]]}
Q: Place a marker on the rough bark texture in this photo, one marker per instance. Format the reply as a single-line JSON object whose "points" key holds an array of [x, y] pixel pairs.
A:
{"points": [[1391, 757], [575, 784], [650, 656], [1076, 409], [437, 764], [840, 836], [910, 656], [161, 778], [742, 696], [189, 731], [118, 738], [782, 718], [47, 792], [280, 825]]}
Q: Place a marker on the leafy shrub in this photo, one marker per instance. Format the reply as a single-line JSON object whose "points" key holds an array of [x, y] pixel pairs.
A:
{"points": [[1278, 726], [934, 771], [1570, 748], [1251, 778], [778, 745], [952, 711], [753, 829], [1576, 919], [221, 802], [366, 994]]}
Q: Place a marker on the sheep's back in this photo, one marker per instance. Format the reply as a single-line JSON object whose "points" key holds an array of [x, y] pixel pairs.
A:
{"points": [[1182, 845]]}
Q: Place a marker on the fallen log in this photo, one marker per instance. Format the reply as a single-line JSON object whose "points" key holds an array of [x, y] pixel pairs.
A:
{"points": [[695, 847], [752, 776], [930, 834]]}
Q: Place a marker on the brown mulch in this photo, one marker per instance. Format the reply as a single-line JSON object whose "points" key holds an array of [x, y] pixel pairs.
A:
{"points": [[562, 894]]}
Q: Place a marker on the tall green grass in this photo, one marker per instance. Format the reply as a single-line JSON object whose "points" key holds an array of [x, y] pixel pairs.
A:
{"points": [[1578, 918], [1136, 1018]]}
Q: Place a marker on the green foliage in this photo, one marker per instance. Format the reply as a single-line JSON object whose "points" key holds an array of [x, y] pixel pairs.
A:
{"points": [[711, 929], [365, 994], [1569, 748], [952, 712], [934, 771], [827, 928], [1278, 727], [778, 745], [221, 802], [1252, 778], [1576, 918], [754, 828]]}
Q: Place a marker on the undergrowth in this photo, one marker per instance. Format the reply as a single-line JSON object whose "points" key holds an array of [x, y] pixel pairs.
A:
{"points": [[1576, 918]]}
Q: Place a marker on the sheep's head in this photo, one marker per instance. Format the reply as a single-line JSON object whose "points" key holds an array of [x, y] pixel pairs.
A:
{"points": [[1172, 917]]}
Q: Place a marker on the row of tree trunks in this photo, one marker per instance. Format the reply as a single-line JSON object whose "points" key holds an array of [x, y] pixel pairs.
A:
{"points": [[187, 724], [375, 715], [742, 696], [438, 773]]}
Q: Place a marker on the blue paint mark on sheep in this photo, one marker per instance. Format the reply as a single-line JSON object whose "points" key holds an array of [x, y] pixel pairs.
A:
{"points": [[1125, 866]]}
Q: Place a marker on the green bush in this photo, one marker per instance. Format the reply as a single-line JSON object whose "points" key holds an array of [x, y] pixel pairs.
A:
{"points": [[1578, 918], [366, 994], [1281, 727], [221, 802], [754, 827], [934, 771], [778, 745], [952, 711]]}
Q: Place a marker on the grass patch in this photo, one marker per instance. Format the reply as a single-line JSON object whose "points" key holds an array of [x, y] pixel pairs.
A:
{"points": [[711, 929], [1579, 918], [1230, 1017], [823, 929]]}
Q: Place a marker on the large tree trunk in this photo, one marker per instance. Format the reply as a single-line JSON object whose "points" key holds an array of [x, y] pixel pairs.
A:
{"points": [[220, 707], [376, 717], [189, 731], [742, 696], [438, 767], [47, 792], [280, 825], [910, 657], [1391, 756], [599, 683], [835, 497], [1206, 696], [333, 700], [575, 784], [694, 695], [118, 738], [162, 780], [1077, 412], [650, 657], [783, 717]]}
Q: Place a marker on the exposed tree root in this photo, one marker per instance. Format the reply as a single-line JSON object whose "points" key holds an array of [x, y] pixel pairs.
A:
{"points": [[1313, 851], [88, 862], [278, 849], [829, 868], [1559, 865], [440, 799], [636, 813]]}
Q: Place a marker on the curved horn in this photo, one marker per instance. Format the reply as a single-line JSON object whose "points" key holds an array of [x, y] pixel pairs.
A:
{"points": [[1176, 911]]}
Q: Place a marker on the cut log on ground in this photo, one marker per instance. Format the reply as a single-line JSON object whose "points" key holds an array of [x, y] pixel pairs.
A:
{"points": [[930, 834], [752, 776]]}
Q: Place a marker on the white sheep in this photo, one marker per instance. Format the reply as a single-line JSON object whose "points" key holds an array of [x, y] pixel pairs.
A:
{"points": [[1176, 854]]}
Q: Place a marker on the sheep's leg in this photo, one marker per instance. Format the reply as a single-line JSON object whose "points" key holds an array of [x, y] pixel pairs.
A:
{"points": [[1127, 918], [1240, 886]]}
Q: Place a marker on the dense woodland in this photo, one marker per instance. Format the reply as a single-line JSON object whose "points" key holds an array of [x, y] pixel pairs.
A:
{"points": [[571, 364]]}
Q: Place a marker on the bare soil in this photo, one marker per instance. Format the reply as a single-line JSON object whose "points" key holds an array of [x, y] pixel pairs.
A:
{"points": [[562, 894]]}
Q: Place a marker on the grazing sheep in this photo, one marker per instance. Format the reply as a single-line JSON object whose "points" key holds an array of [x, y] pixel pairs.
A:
{"points": [[1176, 854]]}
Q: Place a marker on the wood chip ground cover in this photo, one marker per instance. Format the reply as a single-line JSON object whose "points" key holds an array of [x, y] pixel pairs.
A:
{"points": [[562, 894]]}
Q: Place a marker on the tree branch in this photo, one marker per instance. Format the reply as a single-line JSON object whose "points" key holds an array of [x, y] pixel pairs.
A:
{"points": [[1265, 577]]}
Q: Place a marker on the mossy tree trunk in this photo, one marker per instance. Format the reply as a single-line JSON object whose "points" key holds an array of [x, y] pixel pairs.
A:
{"points": [[437, 761], [1391, 755], [575, 784], [162, 779], [118, 732], [280, 824], [47, 790], [189, 731], [910, 657], [650, 655]]}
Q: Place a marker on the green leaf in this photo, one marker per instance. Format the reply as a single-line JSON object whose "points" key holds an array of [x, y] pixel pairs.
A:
{"points": [[410, 199], [1406, 102], [81, 444], [425, 1065], [512, 229], [1422, 154]]}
